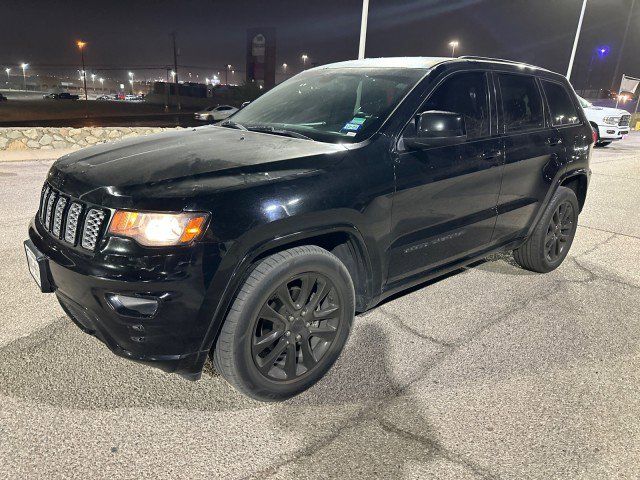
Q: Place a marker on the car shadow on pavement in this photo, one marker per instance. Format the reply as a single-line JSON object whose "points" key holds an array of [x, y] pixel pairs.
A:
{"points": [[61, 366], [362, 408]]}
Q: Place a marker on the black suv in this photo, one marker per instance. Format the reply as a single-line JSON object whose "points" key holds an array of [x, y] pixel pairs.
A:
{"points": [[255, 241]]}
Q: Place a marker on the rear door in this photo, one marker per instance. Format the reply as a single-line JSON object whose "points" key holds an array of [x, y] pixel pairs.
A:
{"points": [[533, 154], [445, 201], [565, 117]]}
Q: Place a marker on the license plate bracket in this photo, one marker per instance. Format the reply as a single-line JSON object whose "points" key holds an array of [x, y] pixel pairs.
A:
{"points": [[38, 265]]}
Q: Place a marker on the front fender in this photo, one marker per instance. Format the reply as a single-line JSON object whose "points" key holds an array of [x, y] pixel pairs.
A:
{"points": [[240, 257]]}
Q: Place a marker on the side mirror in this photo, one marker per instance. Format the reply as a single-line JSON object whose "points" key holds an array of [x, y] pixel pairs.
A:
{"points": [[435, 128]]}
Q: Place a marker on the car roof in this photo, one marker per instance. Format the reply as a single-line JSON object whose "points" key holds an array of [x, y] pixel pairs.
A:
{"points": [[389, 62], [430, 62]]}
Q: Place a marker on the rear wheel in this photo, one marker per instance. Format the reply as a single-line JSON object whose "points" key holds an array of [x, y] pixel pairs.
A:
{"points": [[288, 324], [551, 240]]}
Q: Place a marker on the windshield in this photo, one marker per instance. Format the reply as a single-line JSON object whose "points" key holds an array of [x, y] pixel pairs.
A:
{"points": [[333, 104], [584, 103]]}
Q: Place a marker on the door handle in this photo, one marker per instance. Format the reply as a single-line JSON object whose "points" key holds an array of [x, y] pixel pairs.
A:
{"points": [[553, 141]]}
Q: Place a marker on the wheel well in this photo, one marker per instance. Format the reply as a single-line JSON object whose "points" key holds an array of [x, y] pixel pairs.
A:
{"points": [[579, 186], [347, 249]]}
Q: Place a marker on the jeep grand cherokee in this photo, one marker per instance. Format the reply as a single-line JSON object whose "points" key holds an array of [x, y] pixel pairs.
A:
{"points": [[257, 240]]}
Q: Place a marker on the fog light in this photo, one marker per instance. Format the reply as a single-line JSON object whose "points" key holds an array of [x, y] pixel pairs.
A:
{"points": [[133, 306]]}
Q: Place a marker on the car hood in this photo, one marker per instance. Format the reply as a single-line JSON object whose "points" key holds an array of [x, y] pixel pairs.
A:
{"points": [[607, 111], [179, 163]]}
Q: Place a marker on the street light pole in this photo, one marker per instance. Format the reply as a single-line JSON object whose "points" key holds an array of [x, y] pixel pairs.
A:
{"points": [[304, 61], [575, 40], [8, 70], [81, 46], [453, 44], [363, 28], [175, 71], [624, 41], [24, 74]]}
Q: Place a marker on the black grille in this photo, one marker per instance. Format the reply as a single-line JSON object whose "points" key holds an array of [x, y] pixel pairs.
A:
{"points": [[70, 220], [624, 121]]}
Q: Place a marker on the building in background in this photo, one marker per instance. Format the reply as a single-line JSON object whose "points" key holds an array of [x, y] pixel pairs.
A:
{"points": [[261, 57]]}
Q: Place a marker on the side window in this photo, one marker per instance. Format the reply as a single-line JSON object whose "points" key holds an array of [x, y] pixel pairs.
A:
{"points": [[521, 102], [465, 94], [563, 110]]}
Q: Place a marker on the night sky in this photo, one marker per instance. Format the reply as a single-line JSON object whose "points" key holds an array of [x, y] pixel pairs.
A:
{"points": [[212, 33]]}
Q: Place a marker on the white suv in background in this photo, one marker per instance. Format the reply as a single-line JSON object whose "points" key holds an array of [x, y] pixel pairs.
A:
{"points": [[609, 123]]}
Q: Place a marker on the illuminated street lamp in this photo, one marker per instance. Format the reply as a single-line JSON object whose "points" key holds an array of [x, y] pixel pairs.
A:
{"points": [[173, 76], [81, 46], [304, 57], [8, 70], [93, 82], [24, 74], [101, 80], [226, 73], [131, 75], [453, 44], [284, 67]]}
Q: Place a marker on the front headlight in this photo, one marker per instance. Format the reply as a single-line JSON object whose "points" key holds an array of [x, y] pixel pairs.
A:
{"points": [[611, 120], [158, 229]]}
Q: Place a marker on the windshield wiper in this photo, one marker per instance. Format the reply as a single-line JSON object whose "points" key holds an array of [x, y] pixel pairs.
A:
{"points": [[232, 124], [277, 131]]}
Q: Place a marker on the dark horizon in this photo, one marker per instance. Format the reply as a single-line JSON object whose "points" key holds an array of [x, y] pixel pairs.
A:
{"points": [[211, 33]]}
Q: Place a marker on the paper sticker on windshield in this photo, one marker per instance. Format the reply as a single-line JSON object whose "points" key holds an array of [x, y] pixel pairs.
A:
{"points": [[351, 127]]}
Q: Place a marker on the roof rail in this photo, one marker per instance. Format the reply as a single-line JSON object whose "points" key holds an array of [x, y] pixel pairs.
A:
{"points": [[491, 59]]}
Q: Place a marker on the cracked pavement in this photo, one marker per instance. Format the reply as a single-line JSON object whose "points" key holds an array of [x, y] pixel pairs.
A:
{"points": [[491, 372]]}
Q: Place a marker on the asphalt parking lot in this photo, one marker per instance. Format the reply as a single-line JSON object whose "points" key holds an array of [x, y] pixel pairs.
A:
{"points": [[492, 372]]}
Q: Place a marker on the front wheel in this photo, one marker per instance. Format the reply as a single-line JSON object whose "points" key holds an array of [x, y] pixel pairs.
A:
{"points": [[288, 324], [550, 241]]}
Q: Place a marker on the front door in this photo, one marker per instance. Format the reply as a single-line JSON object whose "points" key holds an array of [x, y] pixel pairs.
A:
{"points": [[444, 206]]}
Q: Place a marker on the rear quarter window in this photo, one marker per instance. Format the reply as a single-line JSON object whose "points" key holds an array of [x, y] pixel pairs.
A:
{"points": [[521, 102], [561, 107]]}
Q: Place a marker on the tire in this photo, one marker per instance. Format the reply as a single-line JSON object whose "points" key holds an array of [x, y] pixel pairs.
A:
{"points": [[288, 363], [602, 144], [556, 228]]}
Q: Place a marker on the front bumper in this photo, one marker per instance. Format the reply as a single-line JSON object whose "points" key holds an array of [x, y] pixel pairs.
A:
{"points": [[170, 339], [612, 132]]}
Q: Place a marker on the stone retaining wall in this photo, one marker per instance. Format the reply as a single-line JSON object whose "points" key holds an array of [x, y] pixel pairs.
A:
{"points": [[50, 138]]}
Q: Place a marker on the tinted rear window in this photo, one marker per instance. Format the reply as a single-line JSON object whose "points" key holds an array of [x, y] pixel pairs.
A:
{"points": [[563, 110], [521, 102]]}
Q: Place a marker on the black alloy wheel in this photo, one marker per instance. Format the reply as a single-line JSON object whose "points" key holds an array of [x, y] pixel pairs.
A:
{"points": [[549, 242], [287, 325], [559, 232], [296, 327]]}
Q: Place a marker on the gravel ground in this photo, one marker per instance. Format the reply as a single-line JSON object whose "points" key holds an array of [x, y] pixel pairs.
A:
{"points": [[491, 372]]}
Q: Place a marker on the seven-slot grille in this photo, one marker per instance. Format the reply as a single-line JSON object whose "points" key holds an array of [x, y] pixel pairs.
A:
{"points": [[624, 121], [70, 220]]}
